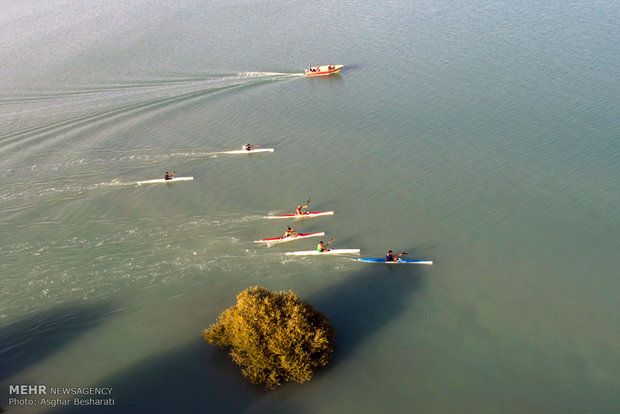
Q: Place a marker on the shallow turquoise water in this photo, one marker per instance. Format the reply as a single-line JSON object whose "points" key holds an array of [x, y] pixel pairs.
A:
{"points": [[483, 136]]}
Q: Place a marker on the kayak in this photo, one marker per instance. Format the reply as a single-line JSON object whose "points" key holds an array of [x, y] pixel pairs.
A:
{"points": [[248, 152], [288, 239], [401, 261], [317, 253], [302, 216], [161, 180]]}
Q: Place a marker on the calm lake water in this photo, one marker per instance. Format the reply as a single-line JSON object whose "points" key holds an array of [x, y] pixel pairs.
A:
{"points": [[483, 135]]}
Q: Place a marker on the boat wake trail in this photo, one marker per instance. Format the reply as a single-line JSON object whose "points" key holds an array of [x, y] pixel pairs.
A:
{"points": [[119, 254], [270, 74], [78, 119], [46, 163], [41, 192]]}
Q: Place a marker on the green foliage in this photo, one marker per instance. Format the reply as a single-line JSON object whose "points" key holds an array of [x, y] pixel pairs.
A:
{"points": [[274, 337]]}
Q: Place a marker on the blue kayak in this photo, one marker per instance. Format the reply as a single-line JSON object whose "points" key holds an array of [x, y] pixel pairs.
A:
{"points": [[401, 261]]}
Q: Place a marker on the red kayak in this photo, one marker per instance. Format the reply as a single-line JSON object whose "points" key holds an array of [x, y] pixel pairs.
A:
{"points": [[303, 216], [289, 238]]}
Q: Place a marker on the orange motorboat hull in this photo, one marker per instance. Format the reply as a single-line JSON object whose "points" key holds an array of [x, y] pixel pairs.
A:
{"points": [[323, 70]]}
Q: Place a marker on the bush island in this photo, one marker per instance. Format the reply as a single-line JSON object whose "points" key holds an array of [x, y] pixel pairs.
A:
{"points": [[274, 337]]}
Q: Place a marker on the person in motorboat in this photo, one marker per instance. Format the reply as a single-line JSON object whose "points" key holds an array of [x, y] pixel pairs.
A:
{"points": [[290, 233], [322, 247], [390, 257], [169, 176]]}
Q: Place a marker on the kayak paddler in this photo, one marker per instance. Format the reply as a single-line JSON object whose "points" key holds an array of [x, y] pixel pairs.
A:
{"points": [[321, 247], [169, 176], [299, 210], [290, 233], [250, 147], [389, 257]]}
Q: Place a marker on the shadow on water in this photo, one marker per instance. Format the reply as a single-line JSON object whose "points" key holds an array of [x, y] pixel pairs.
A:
{"points": [[351, 67], [192, 379], [199, 378], [30, 340], [366, 302], [26, 342]]}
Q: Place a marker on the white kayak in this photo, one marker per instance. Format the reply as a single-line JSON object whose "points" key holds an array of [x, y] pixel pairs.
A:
{"points": [[288, 239], [317, 253], [248, 152], [302, 216], [161, 180]]}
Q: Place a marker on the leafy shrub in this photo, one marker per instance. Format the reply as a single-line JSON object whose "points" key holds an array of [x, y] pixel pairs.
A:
{"points": [[274, 337]]}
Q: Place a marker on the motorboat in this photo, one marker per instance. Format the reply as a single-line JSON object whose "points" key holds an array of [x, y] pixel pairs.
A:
{"points": [[322, 70]]}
